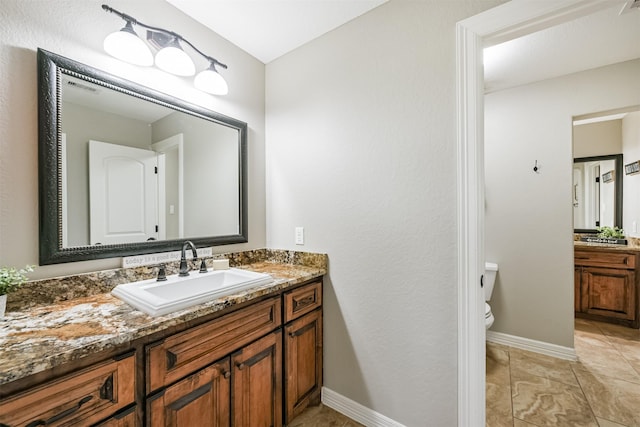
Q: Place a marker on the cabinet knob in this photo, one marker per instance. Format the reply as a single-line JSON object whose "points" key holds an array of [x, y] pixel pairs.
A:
{"points": [[226, 374], [240, 366]]}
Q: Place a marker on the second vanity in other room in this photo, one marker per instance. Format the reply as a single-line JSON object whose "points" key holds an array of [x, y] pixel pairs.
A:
{"points": [[607, 283], [252, 358]]}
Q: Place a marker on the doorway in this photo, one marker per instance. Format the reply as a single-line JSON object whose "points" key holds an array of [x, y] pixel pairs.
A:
{"points": [[506, 22]]}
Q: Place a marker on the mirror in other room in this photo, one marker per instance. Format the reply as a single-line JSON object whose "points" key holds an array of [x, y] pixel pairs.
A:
{"points": [[126, 170], [602, 143], [597, 192]]}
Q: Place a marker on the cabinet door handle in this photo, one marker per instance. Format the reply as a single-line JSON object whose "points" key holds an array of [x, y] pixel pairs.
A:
{"points": [[240, 365], [303, 302], [61, 415], [106, 391], [226, 374]]}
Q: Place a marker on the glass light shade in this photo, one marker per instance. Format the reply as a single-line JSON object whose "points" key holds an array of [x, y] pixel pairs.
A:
{"points": [[211, 82], [174, 60], [128, 47]]}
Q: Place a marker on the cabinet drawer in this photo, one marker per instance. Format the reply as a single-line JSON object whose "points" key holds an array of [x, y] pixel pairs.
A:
{"points": [[605, 259], [302, 301], [186, 352], [81, 398]]}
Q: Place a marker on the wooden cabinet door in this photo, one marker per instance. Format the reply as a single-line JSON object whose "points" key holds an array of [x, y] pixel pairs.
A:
{"points": [[609, 292], [577, 289], [201, 399], [303, 363], [257, 383]]}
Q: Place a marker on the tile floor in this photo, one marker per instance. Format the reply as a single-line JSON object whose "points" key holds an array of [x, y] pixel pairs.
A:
{"points": [[524, 389], [322, 416], [602, 388]]}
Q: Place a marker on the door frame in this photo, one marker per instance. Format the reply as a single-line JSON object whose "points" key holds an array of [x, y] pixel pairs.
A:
{"points": [[505, 22]]}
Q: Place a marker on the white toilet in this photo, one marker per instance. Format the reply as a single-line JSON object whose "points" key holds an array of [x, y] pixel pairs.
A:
{"points": [[489, 279]]}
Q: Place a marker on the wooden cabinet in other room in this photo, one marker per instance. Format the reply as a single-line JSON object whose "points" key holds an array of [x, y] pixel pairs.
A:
{"points": [[606, 286]]}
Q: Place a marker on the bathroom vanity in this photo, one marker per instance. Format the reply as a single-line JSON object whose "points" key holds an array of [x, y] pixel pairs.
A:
{"points": [[607, 283], [254, 358]]}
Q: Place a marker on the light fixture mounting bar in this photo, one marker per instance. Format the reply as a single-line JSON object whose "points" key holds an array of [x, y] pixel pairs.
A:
{"points": [[134, 21]]}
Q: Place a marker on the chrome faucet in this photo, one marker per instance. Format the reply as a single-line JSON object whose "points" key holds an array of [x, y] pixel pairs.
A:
{"points": [[184, 268]]}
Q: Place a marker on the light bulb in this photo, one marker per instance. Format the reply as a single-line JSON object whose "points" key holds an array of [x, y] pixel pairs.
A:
{"points": [[174, 60], [127, 46], [211, 81]]}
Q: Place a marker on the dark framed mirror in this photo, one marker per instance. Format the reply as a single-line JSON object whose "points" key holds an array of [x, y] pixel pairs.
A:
{"points": [[597, 192], [127, 170]]}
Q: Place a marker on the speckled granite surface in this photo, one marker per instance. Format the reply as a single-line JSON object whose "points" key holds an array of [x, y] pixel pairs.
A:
{"points": [[596, 246], [76, 316], [633, 244]]}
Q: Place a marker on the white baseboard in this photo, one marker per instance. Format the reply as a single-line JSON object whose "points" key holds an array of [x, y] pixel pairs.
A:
{"points": [[541, 347], [356, 411]]}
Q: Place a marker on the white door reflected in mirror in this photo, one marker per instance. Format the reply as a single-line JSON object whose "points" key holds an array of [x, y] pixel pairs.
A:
{"points": [[123, 188]]}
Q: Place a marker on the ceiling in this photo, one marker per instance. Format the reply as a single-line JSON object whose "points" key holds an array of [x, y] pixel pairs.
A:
{"points": [[267, 29], [593, 41]]}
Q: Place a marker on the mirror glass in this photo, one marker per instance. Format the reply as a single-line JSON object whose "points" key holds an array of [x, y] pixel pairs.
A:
{"points": [[602, 143], [126, 170], [596, 202]]}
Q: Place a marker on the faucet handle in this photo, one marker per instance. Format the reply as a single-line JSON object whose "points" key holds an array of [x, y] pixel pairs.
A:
{"points": [[203, 266], [162, 273]]}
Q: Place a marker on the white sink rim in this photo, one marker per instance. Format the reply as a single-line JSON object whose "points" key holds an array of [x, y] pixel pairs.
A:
{"points": [[137, 294]]}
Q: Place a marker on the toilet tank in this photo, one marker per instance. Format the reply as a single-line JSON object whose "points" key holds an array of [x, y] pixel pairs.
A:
{"points": [[490, 272]]}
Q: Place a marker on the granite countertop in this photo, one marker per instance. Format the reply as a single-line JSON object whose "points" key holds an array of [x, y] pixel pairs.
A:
{"points": [[41, 337], [596, 246]]}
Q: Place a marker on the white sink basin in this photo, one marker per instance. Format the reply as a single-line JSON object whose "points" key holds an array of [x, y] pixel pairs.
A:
{"points": [[176, 293]]}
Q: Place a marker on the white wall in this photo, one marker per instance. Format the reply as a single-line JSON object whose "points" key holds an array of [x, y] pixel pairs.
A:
{"points": [[631, 183], [76, 29], [361, 151], [529, 230]]}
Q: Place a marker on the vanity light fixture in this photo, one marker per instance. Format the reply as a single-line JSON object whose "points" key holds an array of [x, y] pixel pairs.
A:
{"points": [[170, 57]]}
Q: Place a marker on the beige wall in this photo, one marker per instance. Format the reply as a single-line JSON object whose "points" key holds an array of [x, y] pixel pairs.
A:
{"points": [[529, 229], [76, 29], [597, 139], [361, 151]]}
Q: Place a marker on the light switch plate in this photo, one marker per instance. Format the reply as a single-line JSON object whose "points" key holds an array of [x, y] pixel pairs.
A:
{"points": [[299, 235]]}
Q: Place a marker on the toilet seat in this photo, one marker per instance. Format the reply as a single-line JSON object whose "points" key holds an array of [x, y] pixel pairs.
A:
{"points": [[488, 316]]}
